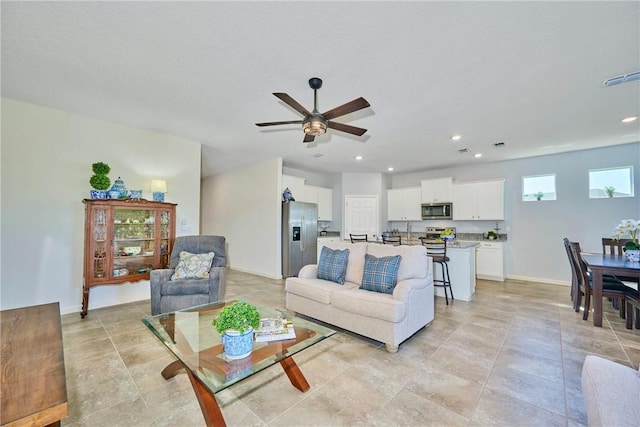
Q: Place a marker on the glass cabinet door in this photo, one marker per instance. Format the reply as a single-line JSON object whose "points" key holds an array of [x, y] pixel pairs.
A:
{"points": [[98, 268], [165, 238], [134, 242]]}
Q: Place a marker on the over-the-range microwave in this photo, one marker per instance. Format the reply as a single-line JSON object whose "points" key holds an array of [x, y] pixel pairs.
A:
{"points": [[437, 210]]}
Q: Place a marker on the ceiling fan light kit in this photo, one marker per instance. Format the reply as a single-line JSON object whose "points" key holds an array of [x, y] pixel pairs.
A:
{"points": [[315, 123]]}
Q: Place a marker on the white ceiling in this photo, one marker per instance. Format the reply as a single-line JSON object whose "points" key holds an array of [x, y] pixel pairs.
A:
{"points": [[526, 73]]}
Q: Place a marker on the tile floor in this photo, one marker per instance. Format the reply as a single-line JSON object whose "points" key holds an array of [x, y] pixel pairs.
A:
{"points": [[511, 357]]}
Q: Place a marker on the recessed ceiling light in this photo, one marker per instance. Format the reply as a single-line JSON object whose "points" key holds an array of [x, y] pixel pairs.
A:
{"points": [[477, 155], [358, 157], [456, 137], [629, 119], [390, 169]]}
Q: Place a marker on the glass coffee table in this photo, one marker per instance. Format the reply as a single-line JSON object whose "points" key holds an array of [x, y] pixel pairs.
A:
{"points": [[195, 342]]}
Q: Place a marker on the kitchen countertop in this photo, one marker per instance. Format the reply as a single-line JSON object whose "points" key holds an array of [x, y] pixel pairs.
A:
{"points": [[455, 245]]}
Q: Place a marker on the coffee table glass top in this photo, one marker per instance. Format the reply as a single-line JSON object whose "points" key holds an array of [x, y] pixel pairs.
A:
{"points": [[196, 343]]}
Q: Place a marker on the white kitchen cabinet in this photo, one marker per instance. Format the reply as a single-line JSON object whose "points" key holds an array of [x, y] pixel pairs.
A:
{"points": [[490, 261], [323, 197], [479, 200], [296, 185], [437, 190], [403, 204]]}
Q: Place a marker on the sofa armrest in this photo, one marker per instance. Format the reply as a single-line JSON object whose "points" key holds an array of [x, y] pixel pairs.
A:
{"points": [[309, 271], [403, 289]]}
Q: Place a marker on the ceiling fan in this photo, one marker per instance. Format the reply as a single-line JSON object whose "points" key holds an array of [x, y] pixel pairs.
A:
{"points": [[314, 123]]}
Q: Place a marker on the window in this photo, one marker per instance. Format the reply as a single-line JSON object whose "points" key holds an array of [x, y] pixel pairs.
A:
{"points": [[539, 187], [613, 182]]}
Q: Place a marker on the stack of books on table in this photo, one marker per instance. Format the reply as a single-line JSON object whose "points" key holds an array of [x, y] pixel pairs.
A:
{"points": [[275, 329]]}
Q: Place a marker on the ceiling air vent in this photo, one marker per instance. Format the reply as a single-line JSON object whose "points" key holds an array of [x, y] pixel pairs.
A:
{"points": [[499, 144], [463, 150], [621, 79]]}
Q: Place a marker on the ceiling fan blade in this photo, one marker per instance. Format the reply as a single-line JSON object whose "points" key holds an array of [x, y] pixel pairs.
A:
{"points": [[349, 107], [290, 122], [308, 138], [292, 103], [346, 128]]}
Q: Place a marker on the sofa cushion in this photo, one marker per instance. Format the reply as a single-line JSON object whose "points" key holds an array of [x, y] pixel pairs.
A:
{"points": [[333, 264], [356, 259], [193, 266], [414, 263], [370, 304], [314, 289], [380, 274]]}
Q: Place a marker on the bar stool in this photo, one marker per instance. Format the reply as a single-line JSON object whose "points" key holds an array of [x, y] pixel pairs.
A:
{"points": [[358, 238], [438, 251], [392, 240]]}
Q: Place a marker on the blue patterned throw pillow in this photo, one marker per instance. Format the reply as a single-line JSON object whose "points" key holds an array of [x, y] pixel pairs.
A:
{"points": [[380, 274], [333, 264]]}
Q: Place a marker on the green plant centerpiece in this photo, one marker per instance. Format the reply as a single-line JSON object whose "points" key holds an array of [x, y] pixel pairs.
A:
{"points": [[610, 191], [491, 235], [236, 323], [628, 227], [99, 180], [539, 195]]}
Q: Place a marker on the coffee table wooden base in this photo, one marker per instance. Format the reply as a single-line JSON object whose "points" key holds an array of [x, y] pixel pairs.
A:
{"points": [[207, 400]]}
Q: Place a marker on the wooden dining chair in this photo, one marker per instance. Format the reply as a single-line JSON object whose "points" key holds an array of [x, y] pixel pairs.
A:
{"points": [[358, 238], [611, 288], [633, 310], [612, 246], [392, 240], [574, 274]]}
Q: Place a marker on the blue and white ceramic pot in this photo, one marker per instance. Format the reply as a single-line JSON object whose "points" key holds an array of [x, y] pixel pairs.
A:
{"points": [[98, 194], [114, 194], [236, 344], [632, 255]]}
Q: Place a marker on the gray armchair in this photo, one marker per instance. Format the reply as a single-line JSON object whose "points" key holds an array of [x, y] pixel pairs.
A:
{"points": [[170, 295]]}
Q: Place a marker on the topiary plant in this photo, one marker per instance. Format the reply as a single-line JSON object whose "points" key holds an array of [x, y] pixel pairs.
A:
{"points": [[240, 316], [100, 168], [99, 180]]}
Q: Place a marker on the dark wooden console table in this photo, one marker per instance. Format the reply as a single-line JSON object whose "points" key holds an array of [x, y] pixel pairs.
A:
{"points": [[33, 389]]}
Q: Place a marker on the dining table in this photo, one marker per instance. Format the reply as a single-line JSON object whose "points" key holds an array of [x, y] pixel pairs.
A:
{"points": [[616, 265]]}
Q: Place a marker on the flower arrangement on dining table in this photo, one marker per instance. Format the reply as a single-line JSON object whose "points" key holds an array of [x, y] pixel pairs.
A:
{"points": [[628, 227]]}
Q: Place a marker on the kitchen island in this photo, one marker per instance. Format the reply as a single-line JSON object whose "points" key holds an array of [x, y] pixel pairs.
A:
{"points": [[462, 270]]}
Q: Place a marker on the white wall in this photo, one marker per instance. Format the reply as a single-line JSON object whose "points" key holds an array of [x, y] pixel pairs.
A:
{"points": [[244, 205], [46, 166], [534, 248]]}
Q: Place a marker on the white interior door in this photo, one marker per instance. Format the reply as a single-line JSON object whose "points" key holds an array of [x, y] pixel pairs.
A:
{"points": [[361, 216]]}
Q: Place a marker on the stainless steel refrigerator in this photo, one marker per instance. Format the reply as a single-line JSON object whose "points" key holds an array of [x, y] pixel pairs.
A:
{"points": [[299, 236]]}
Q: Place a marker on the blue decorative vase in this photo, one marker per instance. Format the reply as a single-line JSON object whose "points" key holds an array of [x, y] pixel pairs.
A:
{"points": [[287, 196], [236, 344], [118, 185], [114, 194], [98, 194], [135, 194]]}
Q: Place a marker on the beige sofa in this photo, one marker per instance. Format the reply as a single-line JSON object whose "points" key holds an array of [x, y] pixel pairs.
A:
{"points": [[611, 393], [389, 318]]}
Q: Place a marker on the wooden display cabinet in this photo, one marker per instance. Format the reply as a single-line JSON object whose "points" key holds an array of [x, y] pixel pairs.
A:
{"points": [[124, 239]]}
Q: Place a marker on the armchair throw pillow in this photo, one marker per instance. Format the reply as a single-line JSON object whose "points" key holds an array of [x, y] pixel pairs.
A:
{"points": [[193, 266], [333, 264], [380, 274]]}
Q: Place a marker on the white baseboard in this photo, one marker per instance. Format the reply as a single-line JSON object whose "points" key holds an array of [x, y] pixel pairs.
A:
{"points": [[257, 273], [540, 280]]}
